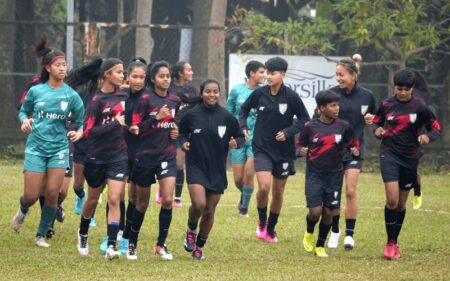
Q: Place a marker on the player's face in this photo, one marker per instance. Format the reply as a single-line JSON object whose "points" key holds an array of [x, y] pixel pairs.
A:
{"points": [[136, 79], [331, 110], [187, 72], [258, 76], [345, 79], [275, 78], [115, 75], [162, 79], [403, 93], [210, 94], [58, 69]]}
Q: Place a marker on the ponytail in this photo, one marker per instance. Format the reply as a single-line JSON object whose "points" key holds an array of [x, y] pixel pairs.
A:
{"points": [[48, 55]]}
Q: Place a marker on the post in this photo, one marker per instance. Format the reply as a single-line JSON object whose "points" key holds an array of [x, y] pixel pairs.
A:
{"points": [[69, 34]]}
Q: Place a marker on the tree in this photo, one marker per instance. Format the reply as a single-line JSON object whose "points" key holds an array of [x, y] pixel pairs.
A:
{"points": [[144, 40], [8, 123], [208, 43]]}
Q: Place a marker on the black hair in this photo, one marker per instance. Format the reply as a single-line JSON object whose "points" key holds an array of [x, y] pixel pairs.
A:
{"points": [[276, 64], [253, 66], [48, 55], [135, 63], [91, 73], [349, 65], [405, 78], [206, 82], [154, 68], [177, 68], [325, 97]]}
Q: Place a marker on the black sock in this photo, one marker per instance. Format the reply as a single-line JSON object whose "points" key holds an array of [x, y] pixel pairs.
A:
{"points": [[107, 210], [310, 224], [201, 241], [399, 223], [84, 225], [350, 227], [390, 219], [122, 216], [323, 233], [165, 218], [335, 224], [41, 201], [23, 206], [113, 229], [79, 191], [138, 219], [60, 199], [129, 219], [417, 190], [192, 226], [179, 183], [262, 213], [273, 219]]}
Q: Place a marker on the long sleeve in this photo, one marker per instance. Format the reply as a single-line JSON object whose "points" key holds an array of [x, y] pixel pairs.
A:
{"points": [[431, 124], [246, 107], [237, 133], [379, 119], [231, 102], [77, 110], [90, 128], [27, 106], [304, 137], [139, 113], [302, 117]]}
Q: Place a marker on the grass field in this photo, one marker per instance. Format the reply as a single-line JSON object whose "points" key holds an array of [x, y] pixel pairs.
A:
{"points": [[232, 251]]}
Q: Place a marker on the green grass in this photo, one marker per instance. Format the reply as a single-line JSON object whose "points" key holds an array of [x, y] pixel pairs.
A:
{"points": [[232, 251]]}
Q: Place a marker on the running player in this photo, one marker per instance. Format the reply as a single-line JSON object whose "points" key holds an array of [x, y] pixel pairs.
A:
{"points": [[357, 106], [44, 114], [209, 129], [106, 155], [273, 141], [242, 158], [325, 138], [181, 84], [398, 122], [154, 121]]}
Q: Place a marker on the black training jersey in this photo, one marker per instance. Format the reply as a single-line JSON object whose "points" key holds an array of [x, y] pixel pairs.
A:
{"points": [[403, 122], [209, 129], [275, 113], [352, 108], [187, 94], [155, 144], [327, 144], [131, 105], [104, 133]]}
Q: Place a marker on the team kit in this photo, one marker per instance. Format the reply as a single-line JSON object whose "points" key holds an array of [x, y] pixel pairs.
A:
{"points": [[115, 130]]}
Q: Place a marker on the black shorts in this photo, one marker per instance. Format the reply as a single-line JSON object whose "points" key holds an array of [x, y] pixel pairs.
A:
{"points": [[323, 189], [144, 176], [280, 170], [79, 152], [197, 175], [391, 171], [354, 164], [69, 171], [97, 174]]}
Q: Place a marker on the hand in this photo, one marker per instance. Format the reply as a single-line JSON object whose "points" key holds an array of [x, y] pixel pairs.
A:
{"points": [[246, 134], [280, 136], [186, 146], [26, 126], [368, 118], [354, 151], [303, 151], [134, 130], [232, 143], [424, 139], [75, 136], [174, 133], [163, 113], [379, 133], [120, 118]]}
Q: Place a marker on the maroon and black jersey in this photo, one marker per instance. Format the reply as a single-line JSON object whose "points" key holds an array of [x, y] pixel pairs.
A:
{"points": [[155, 143], [403, 122], [327, 143], [104, 133], [131, 105]]}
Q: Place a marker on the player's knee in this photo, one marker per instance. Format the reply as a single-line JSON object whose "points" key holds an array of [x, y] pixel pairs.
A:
{"points": [[142, 205], [166, 202], [391, 203]]}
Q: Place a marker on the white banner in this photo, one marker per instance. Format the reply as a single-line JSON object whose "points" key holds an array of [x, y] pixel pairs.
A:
{"points": [[306, 75]]}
